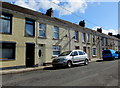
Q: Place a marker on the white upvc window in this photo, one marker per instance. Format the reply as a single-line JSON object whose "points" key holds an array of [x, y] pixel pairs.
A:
{"points": [[56, 32], [88, 37], [76, 35], [56, 50], [93, 38], [94, 52], [42, 30], [83, 37]]}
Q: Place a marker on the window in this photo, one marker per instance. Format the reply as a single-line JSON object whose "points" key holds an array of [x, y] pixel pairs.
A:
{"points": [[6, 23], [76, 35], [8, 50], [84, 49], [102, 41], [30, 28], [56, 50], [93, 38], [81, 53], [83, 37], [106, 42], [88, 38], [94, 51], [42, 30], [77, 47], [56, 32], [75, 53]]}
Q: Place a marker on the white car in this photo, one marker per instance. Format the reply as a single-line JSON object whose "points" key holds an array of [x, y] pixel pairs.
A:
{"points": [[69, 58]]}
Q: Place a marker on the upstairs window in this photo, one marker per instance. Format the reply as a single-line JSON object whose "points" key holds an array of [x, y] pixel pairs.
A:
{"points": [[93, 38], [88, 38], [106, 41], [30, 28], [102, 41], [6, 23], [76, 35], [56, 32], [83, 37], [42, 30]]}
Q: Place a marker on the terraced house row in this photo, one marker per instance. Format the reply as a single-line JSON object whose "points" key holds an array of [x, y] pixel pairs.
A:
{"points": [[30, 38]]}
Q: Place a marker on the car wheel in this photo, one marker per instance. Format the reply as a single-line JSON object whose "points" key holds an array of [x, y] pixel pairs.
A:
{"points": [[86, 62], [69, 64]]}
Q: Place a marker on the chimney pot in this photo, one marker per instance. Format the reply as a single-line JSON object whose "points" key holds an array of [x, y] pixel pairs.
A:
{"points": [[110, 34], [49, 12], [82, 23], [99, 30]]}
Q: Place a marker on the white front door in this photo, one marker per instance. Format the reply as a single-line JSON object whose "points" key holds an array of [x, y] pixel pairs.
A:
{"points": [[40, 54]]}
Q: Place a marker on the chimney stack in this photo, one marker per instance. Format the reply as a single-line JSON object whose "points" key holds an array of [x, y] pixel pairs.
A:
{"points": [[82, 23], [110, 34], [99, 30], [49, 12]]}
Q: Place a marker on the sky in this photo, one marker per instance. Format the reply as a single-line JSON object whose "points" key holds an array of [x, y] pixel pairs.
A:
{"points": [[96, 13]]}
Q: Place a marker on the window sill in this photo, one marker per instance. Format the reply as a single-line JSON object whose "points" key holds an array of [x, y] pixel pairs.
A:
{"points": [[6, 33], [84, 42], [88, 42], [42, 37], [30, 36], [5, 59], [76, 41], [94, 55], [54, 56], [56, 39]]}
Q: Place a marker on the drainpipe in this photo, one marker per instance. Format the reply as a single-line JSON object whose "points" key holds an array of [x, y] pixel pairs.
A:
{"points": [[69, 39]]}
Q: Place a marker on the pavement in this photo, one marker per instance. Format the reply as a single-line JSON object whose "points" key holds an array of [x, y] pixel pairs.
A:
{"points": [[20, 70]]}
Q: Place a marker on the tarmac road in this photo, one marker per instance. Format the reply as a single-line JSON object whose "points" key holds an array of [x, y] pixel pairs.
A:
{"points": [[102, 73]]}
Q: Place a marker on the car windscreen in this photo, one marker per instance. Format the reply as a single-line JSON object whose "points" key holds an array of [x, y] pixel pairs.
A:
{"points": [[106, 52], [65, 53]]}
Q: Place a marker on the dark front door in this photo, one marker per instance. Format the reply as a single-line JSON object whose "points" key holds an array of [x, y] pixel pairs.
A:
{"points": [[30, 50]]}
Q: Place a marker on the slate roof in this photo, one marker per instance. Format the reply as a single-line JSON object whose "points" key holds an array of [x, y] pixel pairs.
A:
{"points": [[41, 15]]}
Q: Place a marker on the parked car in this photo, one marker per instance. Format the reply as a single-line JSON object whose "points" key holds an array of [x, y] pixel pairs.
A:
{"points": [[118, 52], [109, 54], [70, 58]]}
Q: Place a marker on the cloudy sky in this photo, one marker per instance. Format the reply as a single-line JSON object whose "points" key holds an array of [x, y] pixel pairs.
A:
{"points": [[96, 13]]}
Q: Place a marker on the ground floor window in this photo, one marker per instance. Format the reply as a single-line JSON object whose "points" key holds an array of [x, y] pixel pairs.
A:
{"points": [[56, 50], [77, 47], [84, 49], [7, 50], [94, 52]]}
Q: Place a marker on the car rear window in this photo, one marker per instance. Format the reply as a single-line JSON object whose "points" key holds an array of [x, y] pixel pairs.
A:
{"points": [[106, 52]]}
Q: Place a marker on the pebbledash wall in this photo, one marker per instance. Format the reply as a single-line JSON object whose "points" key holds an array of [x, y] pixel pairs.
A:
{"points": [[30, 38]]}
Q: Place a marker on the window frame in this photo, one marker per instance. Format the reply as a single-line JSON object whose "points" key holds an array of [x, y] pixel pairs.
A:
{"points": [[103, 42], [88, 37], [83, 37], [56, 32], [76, 34], [81, 52], [10, 20], [93, 39], [42, 30], [59, 50], [29, 19], [8, 45], [93, 52]]}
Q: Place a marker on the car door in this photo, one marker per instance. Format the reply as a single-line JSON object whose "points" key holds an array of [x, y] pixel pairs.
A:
{"points": [[82, 56], [75, 57]]}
